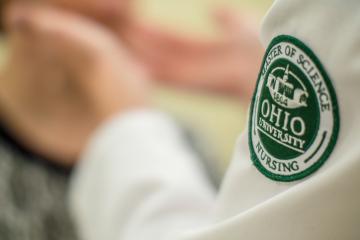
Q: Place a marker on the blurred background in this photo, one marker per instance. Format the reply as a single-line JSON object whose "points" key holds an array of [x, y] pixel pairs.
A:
{"points": [[215, 121]]}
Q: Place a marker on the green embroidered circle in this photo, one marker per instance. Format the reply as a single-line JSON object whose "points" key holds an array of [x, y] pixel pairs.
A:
{"points": [[294, 115]]}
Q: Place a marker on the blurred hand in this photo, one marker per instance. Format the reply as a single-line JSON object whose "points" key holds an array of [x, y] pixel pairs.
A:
{"points": [[229, 64], [66, 75]]}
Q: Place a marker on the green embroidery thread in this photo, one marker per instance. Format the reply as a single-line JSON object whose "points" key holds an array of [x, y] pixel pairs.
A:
{"points": [[294, 116]]}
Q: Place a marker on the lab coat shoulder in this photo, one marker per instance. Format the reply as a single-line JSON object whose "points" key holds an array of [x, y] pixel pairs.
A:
{"points": [[322, 205]]}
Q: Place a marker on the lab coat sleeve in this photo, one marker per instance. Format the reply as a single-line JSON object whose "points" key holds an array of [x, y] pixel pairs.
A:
{"points": [[139, 180], [325, 205]]}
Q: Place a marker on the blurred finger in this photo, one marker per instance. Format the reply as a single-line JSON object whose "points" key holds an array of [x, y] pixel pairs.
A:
{"points": [[61, 27]]}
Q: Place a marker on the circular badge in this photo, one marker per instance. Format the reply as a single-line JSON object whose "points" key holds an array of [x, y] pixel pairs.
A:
{"points": [[294, 117]]}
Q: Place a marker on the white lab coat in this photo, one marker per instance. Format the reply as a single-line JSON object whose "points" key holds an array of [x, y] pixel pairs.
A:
{"points": [[139, 181]]}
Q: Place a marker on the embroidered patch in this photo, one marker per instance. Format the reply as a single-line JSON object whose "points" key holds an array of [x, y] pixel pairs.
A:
{"points": [[294, 117]]}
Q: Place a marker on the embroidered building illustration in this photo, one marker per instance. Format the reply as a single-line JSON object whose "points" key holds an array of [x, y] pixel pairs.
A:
{"points": [[282, 90]]}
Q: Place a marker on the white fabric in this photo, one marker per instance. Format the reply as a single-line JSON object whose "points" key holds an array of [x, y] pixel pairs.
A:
{"points": [[138, 180]]}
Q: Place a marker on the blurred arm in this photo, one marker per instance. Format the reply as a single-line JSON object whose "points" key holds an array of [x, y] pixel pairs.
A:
{"points": [[139, 180]]}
